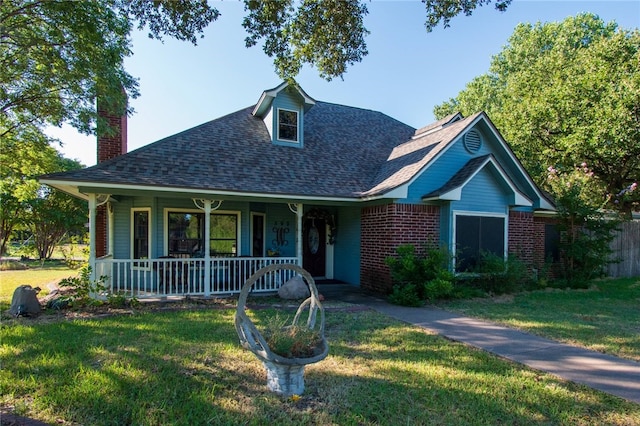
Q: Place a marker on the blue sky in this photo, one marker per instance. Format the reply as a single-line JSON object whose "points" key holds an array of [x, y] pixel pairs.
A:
{"points": [[407, 72]]}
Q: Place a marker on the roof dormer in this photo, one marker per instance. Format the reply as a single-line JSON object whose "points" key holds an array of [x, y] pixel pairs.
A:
{"points": [[282, 110]]}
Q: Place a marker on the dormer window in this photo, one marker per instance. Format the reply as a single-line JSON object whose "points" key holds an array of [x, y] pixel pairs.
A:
{"points": [[287, 125]]}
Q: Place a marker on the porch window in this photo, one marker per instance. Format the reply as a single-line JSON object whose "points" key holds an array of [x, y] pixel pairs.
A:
{"points": [[475, 235], [140, 225], [186, 232], [287, 125]]}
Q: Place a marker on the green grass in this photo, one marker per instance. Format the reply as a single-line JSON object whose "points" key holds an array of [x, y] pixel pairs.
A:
{"points": [[605, 317], [37, 275], [187, 368]]}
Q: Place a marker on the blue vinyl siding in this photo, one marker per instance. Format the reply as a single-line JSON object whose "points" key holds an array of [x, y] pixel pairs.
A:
{"points": [[122, 222], [122, 228], [280, 217], [444, 168], [483, 193], [347, 247], [287, 101]]}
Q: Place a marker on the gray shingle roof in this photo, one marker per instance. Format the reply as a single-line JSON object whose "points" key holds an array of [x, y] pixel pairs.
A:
{"points": [[344, 150], [410, 158]]}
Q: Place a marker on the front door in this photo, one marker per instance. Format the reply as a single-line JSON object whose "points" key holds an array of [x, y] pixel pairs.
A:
{"points": [[314, 246]]}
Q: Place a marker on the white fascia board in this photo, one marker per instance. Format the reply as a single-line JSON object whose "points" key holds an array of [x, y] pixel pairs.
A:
{"points": [[544, 204], [454, 195], [519, 198], [72, 188], [269, 95], [399, 192], [444, 150], [65, 187]]}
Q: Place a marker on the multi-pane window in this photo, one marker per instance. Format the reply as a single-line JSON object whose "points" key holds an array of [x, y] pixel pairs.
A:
{"points": [[476, 235], [287, 125], [186, 234], [140, 237]]}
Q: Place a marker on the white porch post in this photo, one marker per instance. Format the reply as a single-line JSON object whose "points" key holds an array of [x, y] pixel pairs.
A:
{"points": [[111, 224], [299, 209], [207, 247], [92, 237]]}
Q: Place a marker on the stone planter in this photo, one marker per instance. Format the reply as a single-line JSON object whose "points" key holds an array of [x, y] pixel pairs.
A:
{"points": [[285, 376], [284, 379]]}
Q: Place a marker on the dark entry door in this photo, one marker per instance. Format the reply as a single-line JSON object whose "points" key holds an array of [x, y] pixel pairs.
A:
{"points": [[314, 255]]}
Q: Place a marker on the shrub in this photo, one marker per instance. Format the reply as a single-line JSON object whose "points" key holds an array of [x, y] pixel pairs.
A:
{"points": [[417, 278], [440, 287], [405, 295], [585, 229], [83, 288], [494, 275]]}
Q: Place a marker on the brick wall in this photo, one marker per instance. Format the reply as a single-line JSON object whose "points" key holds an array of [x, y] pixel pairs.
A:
{"points": [[101, 231], [111, 144], [539, 255], [386, 227], [522, 240]]}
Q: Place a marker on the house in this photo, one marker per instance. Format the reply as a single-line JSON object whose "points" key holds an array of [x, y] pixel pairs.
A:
{"points": [[291, 179]]}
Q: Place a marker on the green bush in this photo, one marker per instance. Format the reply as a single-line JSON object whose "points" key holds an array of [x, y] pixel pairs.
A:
{"points": [[441, 287], [418, 277], [494, 275], [405, 295]]}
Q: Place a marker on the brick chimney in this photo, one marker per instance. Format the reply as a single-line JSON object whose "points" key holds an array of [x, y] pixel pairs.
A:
{"points": [[112, 142]]}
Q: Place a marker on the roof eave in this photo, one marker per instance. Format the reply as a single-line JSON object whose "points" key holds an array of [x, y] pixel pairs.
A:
{"points": [[264, 103], [81, 189]]}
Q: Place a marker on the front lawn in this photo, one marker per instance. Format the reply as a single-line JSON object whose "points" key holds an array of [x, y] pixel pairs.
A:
{"points": [[605, 317], [186, 367], [33, 273]]}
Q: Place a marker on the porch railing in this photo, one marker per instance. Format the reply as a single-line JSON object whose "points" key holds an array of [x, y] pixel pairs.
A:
{"points": [[151, 278]]}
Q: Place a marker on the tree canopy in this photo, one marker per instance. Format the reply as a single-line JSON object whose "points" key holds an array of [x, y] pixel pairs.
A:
{"points": [[57, 56], [566, 94], [26, 204]]}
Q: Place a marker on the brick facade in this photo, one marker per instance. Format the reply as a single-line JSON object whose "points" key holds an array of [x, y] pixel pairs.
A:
{"points": [[522, 240], [111, 144], [539, 252], [386, 227]]}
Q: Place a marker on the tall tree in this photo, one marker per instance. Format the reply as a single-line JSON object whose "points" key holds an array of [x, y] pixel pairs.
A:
{"points": [[52, 214], [563, 94], [24, 154], [57, 56]]}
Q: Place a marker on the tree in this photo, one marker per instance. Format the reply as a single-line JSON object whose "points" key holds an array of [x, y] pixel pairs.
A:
{"points": [[53, 214], [586, 231], [565, 93], [24, 154], [57, 56], [329, 34]]}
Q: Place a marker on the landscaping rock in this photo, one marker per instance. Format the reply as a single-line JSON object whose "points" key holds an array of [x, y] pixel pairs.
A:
{"points": [[294, 289], [25, 301]]}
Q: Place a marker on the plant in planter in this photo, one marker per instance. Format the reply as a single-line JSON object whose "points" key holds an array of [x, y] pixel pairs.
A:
{"points": [[284, 349]]}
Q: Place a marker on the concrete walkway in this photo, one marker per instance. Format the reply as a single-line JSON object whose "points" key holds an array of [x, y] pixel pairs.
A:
{"points": [[607, 373]]}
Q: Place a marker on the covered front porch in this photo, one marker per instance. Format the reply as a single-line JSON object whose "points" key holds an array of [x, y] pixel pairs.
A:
{"points": [[169, 277], [159, 246]]}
